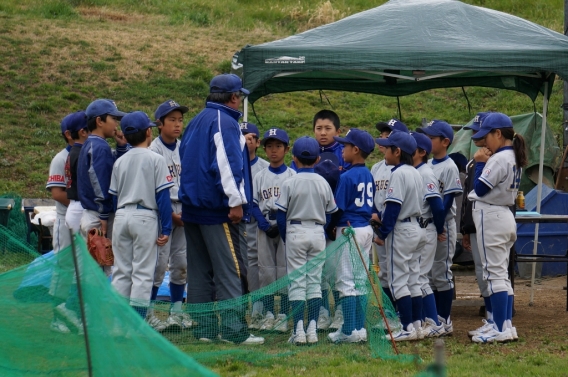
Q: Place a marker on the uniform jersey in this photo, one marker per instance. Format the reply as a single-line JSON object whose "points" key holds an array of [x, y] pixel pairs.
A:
{"points": [[138, 176], [406, 188], [502, 176], [381, 173], [57, 177], [257, 165], [354, 196], [172, 160], [306, 197], [430, 185], [448, 180], [267, 184], [71, 171]]}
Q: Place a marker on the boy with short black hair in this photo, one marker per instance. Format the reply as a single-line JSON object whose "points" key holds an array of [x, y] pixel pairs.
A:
{"points": [[449, 184], [141, 182], [305, 200], [271, 256], [354, 198], [171, 256], [257, 164]]}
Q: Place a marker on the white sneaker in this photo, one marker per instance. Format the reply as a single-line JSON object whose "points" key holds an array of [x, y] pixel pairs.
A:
{"points": [[431, 330], [337, 319], [70, 316], [403, 335], [448, 326], [59, 326], [255, 320], [311, 334], [299, 336], [173, 323], [281, 324], [155, 323], [514, 333], [324, 321], [494, 336], [418, 327], [186, 321], [253, 340], [487, 325], [363, 334], [268, 322], [340, 337]]}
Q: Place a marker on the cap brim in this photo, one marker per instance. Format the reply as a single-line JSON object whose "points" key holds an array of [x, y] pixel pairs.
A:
{"points": [[382, 125], [384, 142], [341, 140], [245, 91], [263, 141], [480, 134], [428, 131], [473, 128], [117, 113]]}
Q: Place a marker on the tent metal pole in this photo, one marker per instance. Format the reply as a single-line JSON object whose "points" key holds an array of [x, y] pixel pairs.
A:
{"points": [[539, 184], [245, 109]]}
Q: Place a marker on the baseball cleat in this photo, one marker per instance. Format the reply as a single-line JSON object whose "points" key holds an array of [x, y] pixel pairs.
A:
{"points": [[494, 336], [431, 330], [404, 335], [337, 319], [173, 323], [324, 321], [268, 322], [70, 317], [59, 326], [448, 326], [281, 323], [487, 325], [311, 334], [253, 340], [299, 336], [362, 334], [255, 320], [155, 323], [340, 337], [186, 321], [514, 334]]}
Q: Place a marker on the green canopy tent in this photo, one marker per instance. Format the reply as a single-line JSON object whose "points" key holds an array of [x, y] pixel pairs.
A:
{"points": [[407, 46]]}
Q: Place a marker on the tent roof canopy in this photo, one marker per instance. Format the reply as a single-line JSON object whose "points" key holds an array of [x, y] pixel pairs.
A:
{"points": [[407, 46]]}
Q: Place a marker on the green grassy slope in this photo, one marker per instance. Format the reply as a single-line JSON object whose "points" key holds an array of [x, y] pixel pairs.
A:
{"points": [[57, 56]]}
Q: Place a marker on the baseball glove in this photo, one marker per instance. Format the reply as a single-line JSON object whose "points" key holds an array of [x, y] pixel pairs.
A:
{"points": [[273, 231], [100, 248], [376, 225]]}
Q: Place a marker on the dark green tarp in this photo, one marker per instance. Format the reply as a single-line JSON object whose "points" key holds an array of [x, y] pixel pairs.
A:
{"points": [[412, 41], [529, 125]]}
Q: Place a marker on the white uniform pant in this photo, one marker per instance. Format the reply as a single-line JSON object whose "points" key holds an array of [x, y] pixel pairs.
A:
{"points": [[135, 253], [496, 234], [61, 235], [403, 266], [351, 276], [74, 215], [482, 284], [303, 243], [62, 276], [441, 277], [329, 268], [271, 259], [172, 255], [383, 267], [427, 250]]}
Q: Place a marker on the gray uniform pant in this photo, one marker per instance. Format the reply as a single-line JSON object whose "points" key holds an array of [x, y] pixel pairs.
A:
{"points": [[441, 277], [252, 256], [271, 259], [482, 284], [172, 256], [427, 250], [214, 267], [135, 253], [351, 277], [403, 259], [496, 234]]}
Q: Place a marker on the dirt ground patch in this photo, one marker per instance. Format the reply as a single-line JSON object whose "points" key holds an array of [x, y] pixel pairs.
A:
{"points": [[543, 323]]}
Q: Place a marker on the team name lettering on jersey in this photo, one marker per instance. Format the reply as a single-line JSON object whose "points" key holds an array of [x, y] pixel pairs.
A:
{"points": [[441, 186], [175, 170], [271, 192], [56, 178], [381, 184]]}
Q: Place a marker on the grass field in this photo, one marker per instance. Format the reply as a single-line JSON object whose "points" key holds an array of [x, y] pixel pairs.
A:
{"points": [[59, 55]]}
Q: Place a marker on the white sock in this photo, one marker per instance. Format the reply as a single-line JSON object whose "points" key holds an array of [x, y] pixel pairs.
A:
{"points": [[489, 316], [176, 307]]}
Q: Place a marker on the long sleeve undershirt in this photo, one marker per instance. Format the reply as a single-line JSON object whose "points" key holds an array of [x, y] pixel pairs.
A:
{"points": [[479, 186], [390, 216]]}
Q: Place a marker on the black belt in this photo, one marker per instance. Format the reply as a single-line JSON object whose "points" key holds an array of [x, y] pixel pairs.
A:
{"points": [[407, 220], [138, 206], [424, 222], [272, 215], [298, 222]]}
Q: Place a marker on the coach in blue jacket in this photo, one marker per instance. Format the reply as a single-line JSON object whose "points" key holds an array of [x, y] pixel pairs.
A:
{"points": [[215, 191]]}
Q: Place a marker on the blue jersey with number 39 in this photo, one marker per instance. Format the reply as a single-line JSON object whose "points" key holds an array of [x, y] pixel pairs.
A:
{"points": [[354, 196]]}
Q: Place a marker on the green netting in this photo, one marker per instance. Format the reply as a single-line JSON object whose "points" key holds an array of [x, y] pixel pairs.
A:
{"points": [[43, 333]]}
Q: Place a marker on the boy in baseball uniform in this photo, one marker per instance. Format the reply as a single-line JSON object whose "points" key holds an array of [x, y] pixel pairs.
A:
{"points": [[305, 200], [354, 199], [171, 256], [257, 164], [140, 181], [400, 230], [267, 186], [432, 221], [449, 184], [381, 173]]}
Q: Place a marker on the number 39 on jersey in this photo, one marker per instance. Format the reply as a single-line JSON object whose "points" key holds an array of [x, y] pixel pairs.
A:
{"points": [[366, 192]]}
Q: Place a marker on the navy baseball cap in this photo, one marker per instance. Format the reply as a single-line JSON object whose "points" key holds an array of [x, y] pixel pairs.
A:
{"points": [[438, 128], [167, 107], [331, 157], [391, 125], [359, 138], [476, 124], [101, 107], [276, 134], [134, 122], [250, 128], [74, 122], [328, 169], [422, 142], [491, 122], [227, 83], [306, 147], [399, 139]]}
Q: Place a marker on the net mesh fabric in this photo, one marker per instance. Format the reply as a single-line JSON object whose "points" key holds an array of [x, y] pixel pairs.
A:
{"points": [[43, 333]]}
